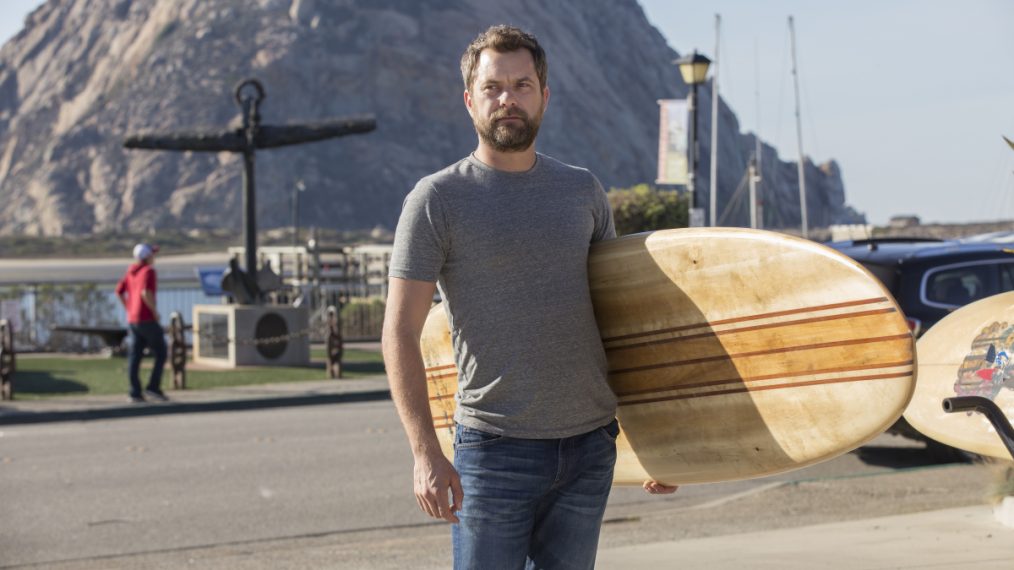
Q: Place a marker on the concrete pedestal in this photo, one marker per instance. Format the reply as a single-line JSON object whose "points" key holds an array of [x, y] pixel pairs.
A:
{"points": [[251, 335]]}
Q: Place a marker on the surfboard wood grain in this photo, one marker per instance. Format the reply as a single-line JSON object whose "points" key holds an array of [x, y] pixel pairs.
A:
{"points": [[733, 354], [967, 353]]}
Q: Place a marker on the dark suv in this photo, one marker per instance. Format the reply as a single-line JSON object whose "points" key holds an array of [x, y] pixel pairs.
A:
{"points": [[931, 278]]}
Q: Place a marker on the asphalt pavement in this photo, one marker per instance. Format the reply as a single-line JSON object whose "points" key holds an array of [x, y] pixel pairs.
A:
{"points": [[972, 536]]}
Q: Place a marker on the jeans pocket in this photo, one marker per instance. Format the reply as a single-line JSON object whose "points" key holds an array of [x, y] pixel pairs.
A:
{"points": [[611, 430], [471, 438]]}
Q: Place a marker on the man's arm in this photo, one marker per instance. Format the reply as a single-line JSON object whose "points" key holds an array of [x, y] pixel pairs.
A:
{"points": [[408, 303], [148, 291], [149, 299], [121, 291]]}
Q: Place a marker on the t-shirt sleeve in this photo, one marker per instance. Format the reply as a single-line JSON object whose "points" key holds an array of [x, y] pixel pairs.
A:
{"points": [[604, 228], [420, 241]]}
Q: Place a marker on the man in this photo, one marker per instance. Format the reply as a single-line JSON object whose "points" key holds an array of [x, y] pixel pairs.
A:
{"points": [[505, 234], [136, 290]]}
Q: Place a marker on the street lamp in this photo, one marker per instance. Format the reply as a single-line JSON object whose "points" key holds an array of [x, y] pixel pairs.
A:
{"points": [[694, 69], [299, 187]]}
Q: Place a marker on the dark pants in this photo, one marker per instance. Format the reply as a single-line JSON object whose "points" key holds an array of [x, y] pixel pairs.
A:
{"points": [[150, 335], [531, 503]]}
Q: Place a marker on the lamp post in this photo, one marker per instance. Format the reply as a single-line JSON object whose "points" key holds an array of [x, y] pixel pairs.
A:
{"points": [[299, 187], [694, 69]]}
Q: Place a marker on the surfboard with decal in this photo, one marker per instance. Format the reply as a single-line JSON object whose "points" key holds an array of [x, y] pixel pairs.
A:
{"points": [[733, 353], [967, 353]]}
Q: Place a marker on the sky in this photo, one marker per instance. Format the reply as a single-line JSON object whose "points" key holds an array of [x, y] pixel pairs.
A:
{"points": [[910, 97]]}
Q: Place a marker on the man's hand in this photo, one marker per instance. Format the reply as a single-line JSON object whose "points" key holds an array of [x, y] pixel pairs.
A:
{"points": [[433, 475], [655, 488]]}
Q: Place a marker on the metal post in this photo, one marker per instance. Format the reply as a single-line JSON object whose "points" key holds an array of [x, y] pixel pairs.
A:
{"points": [[714, 124], [799, 138], [178, 351], [692, 175], [334, 342], [7, 364], [249, 215], [753, 178]]}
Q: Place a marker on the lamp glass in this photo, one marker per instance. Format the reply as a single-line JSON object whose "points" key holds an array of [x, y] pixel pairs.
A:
{"points": [[700, 71], [693, 68], [694, 72]]}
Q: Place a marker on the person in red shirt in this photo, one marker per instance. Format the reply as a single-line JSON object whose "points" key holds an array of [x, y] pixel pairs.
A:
{"points": [[136, 290]]}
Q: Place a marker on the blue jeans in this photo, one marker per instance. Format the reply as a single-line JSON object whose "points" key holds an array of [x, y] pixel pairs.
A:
{"points": [[531, 503], [147, 334]]}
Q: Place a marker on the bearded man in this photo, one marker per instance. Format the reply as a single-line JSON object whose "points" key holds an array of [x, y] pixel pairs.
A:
{"points": [[504, 233]]}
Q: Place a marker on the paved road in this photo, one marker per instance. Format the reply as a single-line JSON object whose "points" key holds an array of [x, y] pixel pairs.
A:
{"points": [[329, 487]]}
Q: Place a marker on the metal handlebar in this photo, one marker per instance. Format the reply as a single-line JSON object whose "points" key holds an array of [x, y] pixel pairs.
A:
{"points": [[988, 408]]}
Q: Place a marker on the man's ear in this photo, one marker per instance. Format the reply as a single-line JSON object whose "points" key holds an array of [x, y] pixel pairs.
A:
{"points": [[545, 97], [468, 101]]}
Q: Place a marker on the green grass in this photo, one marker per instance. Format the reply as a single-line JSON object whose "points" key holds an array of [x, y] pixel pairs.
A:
{"points": [[51, 376]]}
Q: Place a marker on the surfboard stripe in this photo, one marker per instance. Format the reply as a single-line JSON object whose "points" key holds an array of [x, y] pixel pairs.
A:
{"points": [[755, 328], [743, 389], [759, 378], [434, 377], [749, 318], [780, 350], [443, 367]]}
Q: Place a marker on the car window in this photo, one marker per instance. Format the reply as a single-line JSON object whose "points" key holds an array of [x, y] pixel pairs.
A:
{"points": [[959, 285], [1006, 277]]}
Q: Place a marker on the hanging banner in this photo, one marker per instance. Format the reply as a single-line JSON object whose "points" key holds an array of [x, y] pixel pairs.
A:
{"points": [[672, 141]]}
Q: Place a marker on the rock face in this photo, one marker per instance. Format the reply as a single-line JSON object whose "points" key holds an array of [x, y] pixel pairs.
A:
{"points": [[82, 74]]}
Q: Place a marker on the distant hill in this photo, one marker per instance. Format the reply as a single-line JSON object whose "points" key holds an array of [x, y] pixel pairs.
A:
{"points": [[84, 73]]}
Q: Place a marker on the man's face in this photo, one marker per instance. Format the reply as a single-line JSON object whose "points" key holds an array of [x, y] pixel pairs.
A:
{"points": [[505, 100]]}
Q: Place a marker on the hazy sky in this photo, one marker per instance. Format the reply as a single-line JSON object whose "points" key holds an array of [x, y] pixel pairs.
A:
{"points": [[911, 97]]}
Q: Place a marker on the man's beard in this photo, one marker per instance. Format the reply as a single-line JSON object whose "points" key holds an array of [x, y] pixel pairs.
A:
{"points": [[509, 136]]}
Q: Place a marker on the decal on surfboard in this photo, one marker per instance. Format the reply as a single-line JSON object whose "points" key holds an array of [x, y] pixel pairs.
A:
{"points": [[988, 367]]}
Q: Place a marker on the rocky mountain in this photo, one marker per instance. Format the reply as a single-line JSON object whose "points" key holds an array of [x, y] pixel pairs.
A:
{"points": [[82, 74]]}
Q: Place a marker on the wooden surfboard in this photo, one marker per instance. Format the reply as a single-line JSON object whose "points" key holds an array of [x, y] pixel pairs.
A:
{"points": [[967, 353], [734, 354]]}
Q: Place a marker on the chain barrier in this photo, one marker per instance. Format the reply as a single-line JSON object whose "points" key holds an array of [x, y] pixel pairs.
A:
{"points": [[7, 366], [319, 329], [178, 351]]}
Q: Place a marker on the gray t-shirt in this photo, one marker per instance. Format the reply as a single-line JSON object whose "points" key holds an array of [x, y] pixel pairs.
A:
{"points": [[509, 253]]}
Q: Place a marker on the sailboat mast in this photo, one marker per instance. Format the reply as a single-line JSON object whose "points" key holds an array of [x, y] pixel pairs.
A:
{"points": [[755, 164], [799, 135], [714, 123]]}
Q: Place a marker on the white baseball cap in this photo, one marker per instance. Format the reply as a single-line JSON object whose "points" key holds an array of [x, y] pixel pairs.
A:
{"points": [[143, 251]]}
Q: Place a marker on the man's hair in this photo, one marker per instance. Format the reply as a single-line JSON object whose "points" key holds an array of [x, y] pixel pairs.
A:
{"points": [[503, 39]]}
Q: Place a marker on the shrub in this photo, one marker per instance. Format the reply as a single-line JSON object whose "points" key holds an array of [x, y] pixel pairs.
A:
{"points": [[643, 208]]}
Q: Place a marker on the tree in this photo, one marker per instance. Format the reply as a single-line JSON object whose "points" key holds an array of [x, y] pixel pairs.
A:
{"points": [[644, 208]]}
